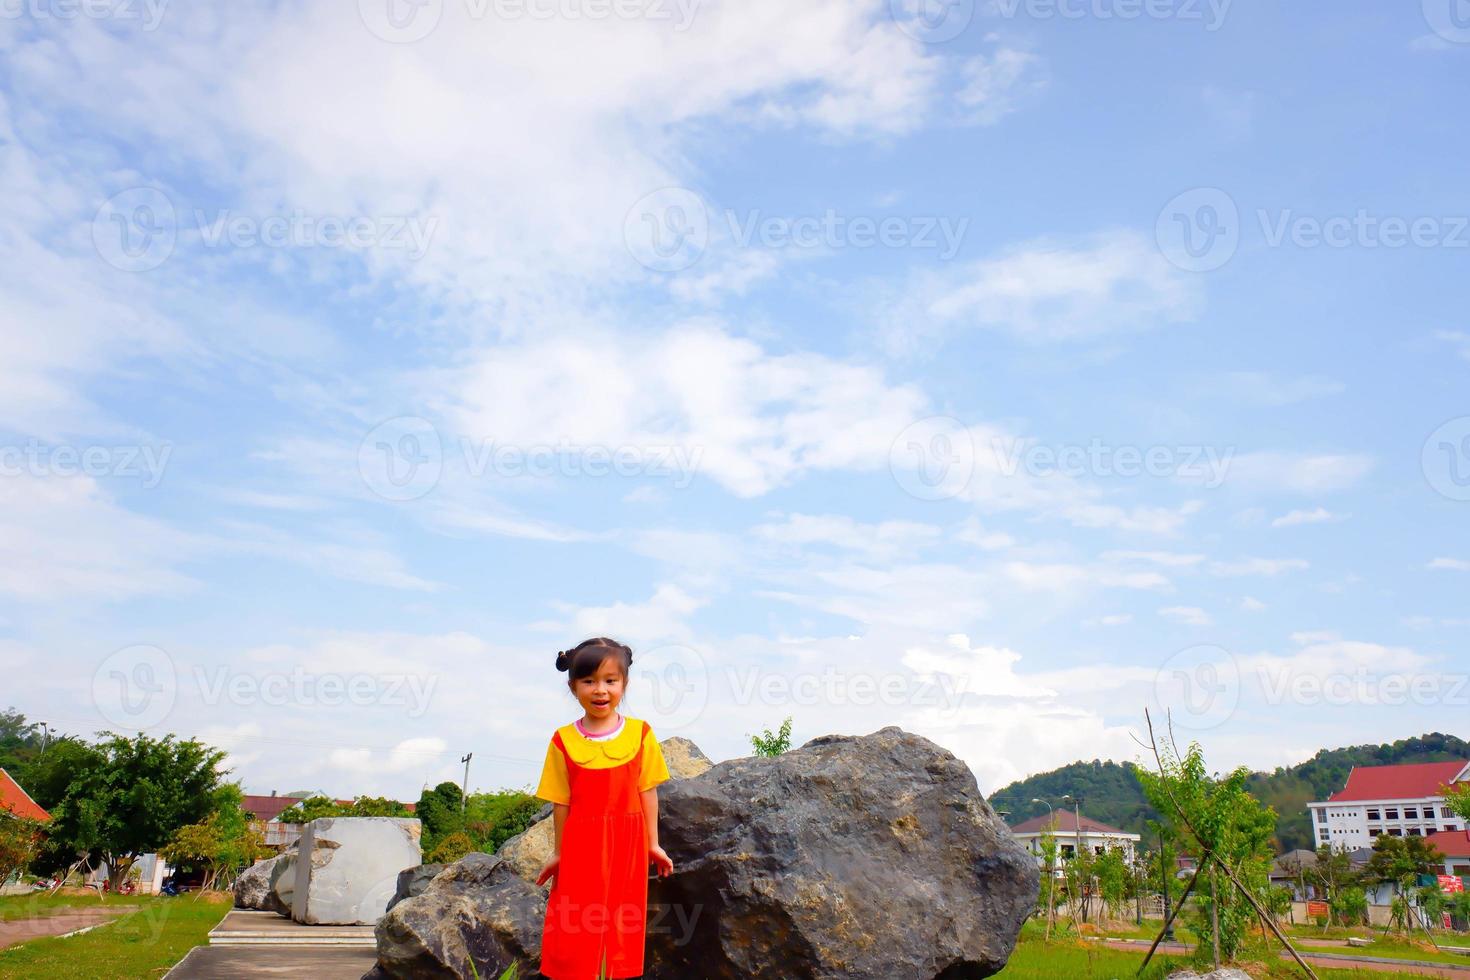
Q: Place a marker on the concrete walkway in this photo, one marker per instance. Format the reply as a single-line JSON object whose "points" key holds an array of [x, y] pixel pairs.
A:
{"points": [[259, 962], [57, 923]]}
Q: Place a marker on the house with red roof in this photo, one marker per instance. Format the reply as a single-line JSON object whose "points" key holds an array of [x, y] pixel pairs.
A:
{"points": [[18, 801], [1095, 836], [1455, 846], [1397, 801]]}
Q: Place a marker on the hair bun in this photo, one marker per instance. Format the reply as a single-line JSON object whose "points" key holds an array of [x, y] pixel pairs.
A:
{"points": [[563, 662]]}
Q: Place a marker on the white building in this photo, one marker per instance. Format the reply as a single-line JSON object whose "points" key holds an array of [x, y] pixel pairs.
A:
{"points": [[1400, 801], [1096, 837]]}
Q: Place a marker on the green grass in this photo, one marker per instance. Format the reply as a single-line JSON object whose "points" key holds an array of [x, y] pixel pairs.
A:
{"points": [[145, 942], [1395, 951], [41, 904], [1036, 959]]}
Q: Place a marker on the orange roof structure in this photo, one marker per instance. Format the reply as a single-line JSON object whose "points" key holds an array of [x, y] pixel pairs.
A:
{"points": [[18, 801]]}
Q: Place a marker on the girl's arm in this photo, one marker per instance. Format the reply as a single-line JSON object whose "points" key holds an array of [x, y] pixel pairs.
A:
{"points": [[650, 813], [558, 821]]}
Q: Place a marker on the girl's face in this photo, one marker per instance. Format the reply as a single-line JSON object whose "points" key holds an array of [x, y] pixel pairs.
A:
{"points": [[600, 691]]}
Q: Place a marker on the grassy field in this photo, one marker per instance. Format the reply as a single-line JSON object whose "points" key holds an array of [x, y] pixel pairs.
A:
{"points": [[146, 942], [1036, 959]]}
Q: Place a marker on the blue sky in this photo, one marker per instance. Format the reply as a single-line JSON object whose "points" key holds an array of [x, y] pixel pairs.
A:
{"points": [[993, 370]]}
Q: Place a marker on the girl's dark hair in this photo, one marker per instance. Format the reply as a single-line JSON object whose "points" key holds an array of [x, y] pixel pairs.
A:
{"points": [[583, 659]]}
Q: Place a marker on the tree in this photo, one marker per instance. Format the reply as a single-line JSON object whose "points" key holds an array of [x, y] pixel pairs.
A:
{"points": [[1111, 871], [1078, 874], [768, 744], [20, 844], [452, 848], [1399, 861], [1349, 907], [311, 808], [441, 811], [377, 806], [1332, 871], [20, 742], [491, 819], [221, 843], [1228, 831], [128, 796], [1457, 800]]}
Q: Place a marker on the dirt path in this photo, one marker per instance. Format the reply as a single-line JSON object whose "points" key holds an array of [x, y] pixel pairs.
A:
{"points": [[56, 923], [1338, 961]]}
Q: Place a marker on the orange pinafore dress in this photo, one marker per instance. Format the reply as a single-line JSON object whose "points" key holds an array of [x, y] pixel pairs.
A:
{"points": [[596, 914]]}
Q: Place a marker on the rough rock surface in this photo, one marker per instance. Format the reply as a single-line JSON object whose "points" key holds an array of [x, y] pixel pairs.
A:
{"points": [[353, 871], [253, 887], [1224, 973], [860, 858], [528, 852], [283, 878], [412, 882], [476, 909]]}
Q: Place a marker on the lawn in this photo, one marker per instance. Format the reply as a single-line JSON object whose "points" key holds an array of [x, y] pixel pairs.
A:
{"points": [[1036, 959], [146, 942]]}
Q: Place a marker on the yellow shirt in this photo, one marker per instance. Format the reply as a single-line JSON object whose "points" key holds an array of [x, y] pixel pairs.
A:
{"points": [[588, 753]]}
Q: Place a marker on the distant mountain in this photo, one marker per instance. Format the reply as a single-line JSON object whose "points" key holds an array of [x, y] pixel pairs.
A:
{"points": [[1110, 791]]}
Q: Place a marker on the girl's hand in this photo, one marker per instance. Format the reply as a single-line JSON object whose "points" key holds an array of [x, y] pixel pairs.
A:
{"points": [[662, 864], [550, 870]]}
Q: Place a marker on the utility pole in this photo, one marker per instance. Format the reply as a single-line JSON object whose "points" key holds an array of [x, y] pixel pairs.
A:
{"points": [[1077, 815], [464, 789], [45, 736]]}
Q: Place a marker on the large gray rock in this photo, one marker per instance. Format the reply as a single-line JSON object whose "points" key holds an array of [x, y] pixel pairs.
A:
{"points": [[859, 858], [477, 910], [413, 882], [253, 887], [283, 879], [353, 871], [528, 851]]}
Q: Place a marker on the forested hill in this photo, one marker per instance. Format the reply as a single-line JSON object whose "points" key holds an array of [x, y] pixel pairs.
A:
{"points": [[1110, 791]]}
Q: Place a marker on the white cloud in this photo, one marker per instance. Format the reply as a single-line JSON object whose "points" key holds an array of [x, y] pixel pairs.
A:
{"points": [[1168, 559], [1258, 566], [1317, 515], [993, 85], [1188, 615], [1046, 291], [1298, 472], [1252, 604], [883, 539], [1269, 390], [1450, 564]]}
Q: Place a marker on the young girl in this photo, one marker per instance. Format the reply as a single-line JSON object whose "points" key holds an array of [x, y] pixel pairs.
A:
{"points": [[600, 775]]}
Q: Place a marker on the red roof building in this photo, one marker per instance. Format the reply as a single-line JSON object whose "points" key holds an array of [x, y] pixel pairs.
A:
{"points": [[18, 801], [1410, 782], [1096, 836], [1393, 801], [1065, 822]]}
